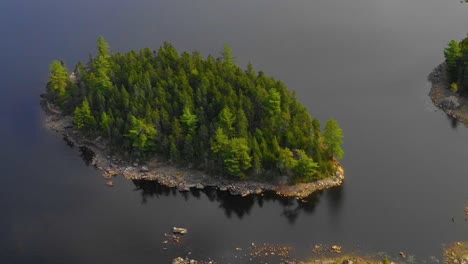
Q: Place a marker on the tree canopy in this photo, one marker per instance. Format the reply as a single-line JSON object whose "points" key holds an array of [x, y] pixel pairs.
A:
{"points": [[207, 112], [456, 58]]}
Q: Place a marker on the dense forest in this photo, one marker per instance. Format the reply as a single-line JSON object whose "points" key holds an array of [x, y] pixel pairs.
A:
{"points": [[456, 58], [207, 114]]}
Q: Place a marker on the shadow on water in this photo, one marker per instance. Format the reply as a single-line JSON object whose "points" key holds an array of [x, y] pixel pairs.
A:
{"points": [[70, 143], [238, 206], [335, 197], [453, 122], [87, 155]]}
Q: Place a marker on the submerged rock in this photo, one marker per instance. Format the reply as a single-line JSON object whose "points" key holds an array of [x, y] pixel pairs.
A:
{"points": [[110, 183]]}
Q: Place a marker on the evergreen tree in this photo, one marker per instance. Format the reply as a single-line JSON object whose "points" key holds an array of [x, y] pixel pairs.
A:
{"points": [[453, 54], [82, 118], [333, 138], [204, 112], [58, 81], [190, 120]]}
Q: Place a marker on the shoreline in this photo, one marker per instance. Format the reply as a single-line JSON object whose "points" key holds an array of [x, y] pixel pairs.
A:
{"points": [[451, 103], [169, 175]]}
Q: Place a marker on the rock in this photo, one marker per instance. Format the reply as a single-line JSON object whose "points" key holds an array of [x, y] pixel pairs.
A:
{"points": [[336, 249], [179, 230], [223, 189], [183, 188], [347, 261], [110, 183], [199, 186], [144, 169], [178, 260], [135, 164], [402, 254], [450, 102]]}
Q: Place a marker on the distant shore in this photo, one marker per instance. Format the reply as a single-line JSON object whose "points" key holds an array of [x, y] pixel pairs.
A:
{"points": [[451, 103], [169, 175]]}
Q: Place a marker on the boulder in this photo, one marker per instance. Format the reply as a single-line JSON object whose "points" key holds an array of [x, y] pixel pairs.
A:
{"points": [[450, 102], [180, 260], [199, 186], [135, 164], [179, 230], [144, 169], [336, 249], [183, 188]]}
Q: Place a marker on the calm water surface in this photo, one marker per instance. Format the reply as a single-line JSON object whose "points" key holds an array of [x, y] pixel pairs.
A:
{"points": [[362, 62]]}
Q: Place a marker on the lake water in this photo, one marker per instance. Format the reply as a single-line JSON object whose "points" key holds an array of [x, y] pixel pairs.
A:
{"points": [[362, 62]]}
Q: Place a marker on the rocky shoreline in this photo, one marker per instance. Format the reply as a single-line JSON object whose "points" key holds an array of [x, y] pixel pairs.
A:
{"points": [[451, 103], [168, 175]]}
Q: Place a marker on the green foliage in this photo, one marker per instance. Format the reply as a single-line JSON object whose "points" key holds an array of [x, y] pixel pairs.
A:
{"points": [[200, 111], [58, 82], [190, 120], [82, 118], [105, 123], [286, 160], [306, 168], [228, 56], [333, 138], [273, 102], [456, 58], [454, 87], [237, 158], [453, 55], [141, 134], [226, 120]]}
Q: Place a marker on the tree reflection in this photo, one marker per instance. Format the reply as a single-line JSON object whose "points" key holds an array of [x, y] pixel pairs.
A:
{"points": [[453, 122], [238, 206], [86, 154]]}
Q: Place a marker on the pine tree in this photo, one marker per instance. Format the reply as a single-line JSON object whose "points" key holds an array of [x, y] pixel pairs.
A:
{"points": [[58, 81], [333, 138]]}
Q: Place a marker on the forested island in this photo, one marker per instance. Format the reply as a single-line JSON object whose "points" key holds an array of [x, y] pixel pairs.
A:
{"points": [[202, 114], [450, 81]]}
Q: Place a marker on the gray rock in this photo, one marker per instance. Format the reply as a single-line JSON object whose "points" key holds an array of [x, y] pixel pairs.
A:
{"points": [[183, 188], [144, 169], [135, 164], [200, 186], [450, 102]]}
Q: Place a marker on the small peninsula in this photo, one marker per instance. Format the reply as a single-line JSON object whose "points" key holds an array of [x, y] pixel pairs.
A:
{"points": [[190, 122], [449, 90]]}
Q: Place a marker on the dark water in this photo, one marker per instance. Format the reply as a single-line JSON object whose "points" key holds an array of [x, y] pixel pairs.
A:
{"points": [[363, 62]]}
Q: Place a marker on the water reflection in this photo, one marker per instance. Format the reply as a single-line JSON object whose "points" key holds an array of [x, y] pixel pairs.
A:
{"points": [[335, 197], [237, 206], [87, 155], [453, 122]]}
